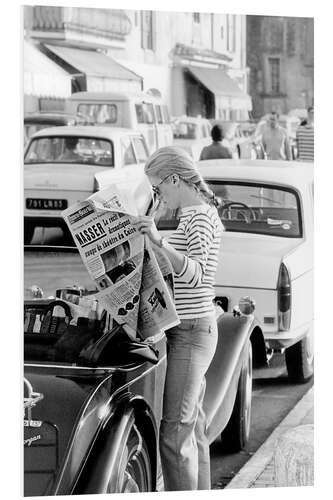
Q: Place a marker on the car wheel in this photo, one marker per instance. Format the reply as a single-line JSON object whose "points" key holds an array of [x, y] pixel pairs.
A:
{"points": [[135, 468], [299, 360], [235, 436], [28, 233]]}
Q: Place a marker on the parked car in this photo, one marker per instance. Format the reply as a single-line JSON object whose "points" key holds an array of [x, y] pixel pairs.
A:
{"points": [[266, 251], [56, 176], [191, 134], [145, 112], [33, 122], [238, 139], [91, 425]]}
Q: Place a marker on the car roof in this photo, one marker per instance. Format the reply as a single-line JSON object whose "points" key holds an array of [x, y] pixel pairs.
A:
{"points": [[289, 173], [98, 96], [50, 116], [108, 132]]}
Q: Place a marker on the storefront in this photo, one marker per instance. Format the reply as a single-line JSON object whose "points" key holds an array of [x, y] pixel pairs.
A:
{"points": [[93, 70], [212, 93], [43, 80], [209, 92]]}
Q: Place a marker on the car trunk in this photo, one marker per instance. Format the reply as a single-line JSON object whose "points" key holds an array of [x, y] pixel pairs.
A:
{"points": [[252, 261], [70, 183], [249, 266]]}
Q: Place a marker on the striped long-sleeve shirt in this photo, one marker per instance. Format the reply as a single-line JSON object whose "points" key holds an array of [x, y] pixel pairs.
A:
{"points": [[305, 142], [198, 237]]}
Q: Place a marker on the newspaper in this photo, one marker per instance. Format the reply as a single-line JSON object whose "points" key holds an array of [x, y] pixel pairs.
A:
{"points": [[134, 278]]}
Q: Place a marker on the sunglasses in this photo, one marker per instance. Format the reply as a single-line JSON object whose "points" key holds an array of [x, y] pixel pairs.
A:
{"points": [[156, 187]]}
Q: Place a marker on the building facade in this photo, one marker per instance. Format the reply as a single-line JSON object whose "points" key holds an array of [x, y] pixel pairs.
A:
{"points": [[280, 55], [197, 61]]}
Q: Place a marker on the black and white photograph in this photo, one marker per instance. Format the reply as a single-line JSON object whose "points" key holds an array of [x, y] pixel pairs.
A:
{"points": [[205, 114]]}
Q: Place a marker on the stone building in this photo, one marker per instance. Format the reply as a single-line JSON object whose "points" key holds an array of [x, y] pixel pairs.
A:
{"points": [[195, 60], [280, 55]]}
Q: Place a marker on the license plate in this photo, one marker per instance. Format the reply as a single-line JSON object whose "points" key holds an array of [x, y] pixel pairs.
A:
{"points": [[45, 204]]}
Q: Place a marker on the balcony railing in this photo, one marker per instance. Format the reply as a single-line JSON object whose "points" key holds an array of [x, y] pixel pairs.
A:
{"points": [[106, 23]]}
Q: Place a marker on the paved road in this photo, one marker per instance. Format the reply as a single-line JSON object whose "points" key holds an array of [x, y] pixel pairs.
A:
{"points": [[273, 396]]}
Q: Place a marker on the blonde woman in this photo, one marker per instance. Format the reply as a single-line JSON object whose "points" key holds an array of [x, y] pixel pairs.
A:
{"points": [[193, 252]]}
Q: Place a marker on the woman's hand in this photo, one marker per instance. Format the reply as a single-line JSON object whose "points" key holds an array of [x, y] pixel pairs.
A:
{"points": [[146, 225]]}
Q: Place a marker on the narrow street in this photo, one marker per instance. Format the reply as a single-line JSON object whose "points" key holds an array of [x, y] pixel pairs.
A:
{"points": [[272, 398]]}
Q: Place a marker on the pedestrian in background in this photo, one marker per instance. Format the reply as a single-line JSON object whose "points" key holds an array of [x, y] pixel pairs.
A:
{"points": [[216, 149], [193, 251], [305, 138], [275, 140]]}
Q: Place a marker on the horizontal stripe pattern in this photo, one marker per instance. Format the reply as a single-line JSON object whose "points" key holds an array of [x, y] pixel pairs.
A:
{"points": [[305, 143], [198, 238]]}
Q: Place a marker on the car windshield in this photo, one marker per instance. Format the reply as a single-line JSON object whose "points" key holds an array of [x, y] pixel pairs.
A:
{"points": [[249, 208], [186, 130], [70, 149]]}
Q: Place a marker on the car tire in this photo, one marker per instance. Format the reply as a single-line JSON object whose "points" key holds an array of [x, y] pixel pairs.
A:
{"points": [[135, 468], [299, 361], [28, 233], [235, 436]]}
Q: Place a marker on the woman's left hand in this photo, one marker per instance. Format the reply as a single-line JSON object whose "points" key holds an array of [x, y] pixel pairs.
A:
{"points": [[146, 225]]}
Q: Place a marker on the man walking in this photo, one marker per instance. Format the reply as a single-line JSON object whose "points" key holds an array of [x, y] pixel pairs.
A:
{"points": [[305, 138], [275, 140]]}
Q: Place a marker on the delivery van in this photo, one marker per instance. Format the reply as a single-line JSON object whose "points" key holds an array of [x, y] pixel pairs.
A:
{"points": [[140, 111]]}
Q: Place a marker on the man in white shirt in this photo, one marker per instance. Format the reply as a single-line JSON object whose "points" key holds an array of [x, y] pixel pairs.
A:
{"points": [[275, 140]]}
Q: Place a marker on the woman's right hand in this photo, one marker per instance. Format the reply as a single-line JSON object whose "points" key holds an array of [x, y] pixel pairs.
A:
{"points": [[145, 224]]}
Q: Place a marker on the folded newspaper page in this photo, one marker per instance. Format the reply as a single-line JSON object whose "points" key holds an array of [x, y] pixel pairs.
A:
{"points": [[134, 279]]}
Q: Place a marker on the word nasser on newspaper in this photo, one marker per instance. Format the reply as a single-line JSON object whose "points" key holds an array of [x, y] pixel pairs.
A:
{"points": [[134, 278]]}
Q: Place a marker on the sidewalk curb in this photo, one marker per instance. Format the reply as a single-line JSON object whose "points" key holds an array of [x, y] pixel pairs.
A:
{"points": [[262, 457]]}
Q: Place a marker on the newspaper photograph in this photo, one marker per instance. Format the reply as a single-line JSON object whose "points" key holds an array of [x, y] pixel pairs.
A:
{"points": [[134, 278]]}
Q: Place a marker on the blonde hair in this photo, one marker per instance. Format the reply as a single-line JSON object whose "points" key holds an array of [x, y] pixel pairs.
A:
{"points": [[174, 160]]}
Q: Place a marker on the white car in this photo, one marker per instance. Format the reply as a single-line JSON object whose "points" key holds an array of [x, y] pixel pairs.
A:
{"points": [[191, 134], [266, 252], [63, 165]]}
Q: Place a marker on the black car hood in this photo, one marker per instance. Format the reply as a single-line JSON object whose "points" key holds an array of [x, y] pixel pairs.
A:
{"points": [[59, 401]]}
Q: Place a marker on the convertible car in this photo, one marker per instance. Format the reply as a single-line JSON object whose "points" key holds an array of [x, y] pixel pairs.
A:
{"points": [[92, 401], [93, 395]]}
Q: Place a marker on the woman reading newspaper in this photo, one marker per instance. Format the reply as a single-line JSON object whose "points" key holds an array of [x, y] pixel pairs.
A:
{"points": [[193, 252]]}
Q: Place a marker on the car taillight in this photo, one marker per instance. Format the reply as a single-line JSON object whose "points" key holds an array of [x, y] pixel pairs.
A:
{"points": [[284, 298]]}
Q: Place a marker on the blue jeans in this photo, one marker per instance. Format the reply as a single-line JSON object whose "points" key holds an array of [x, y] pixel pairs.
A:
{"points": [[184, 445]]}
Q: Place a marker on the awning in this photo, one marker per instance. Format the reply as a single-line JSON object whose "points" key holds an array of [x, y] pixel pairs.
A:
{"points": [[102, 72], [43, 77], [226, 90]]}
